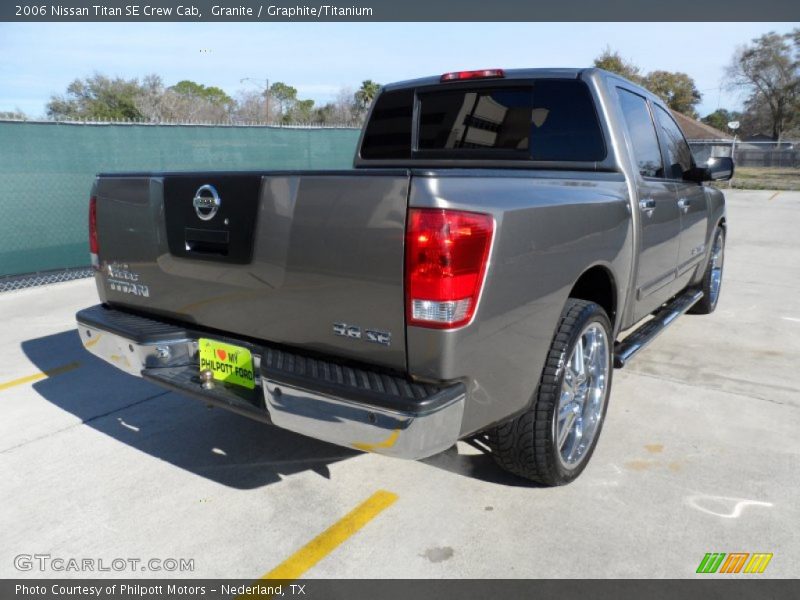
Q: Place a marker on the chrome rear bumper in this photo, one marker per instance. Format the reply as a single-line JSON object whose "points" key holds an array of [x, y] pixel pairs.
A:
{"points": [[354, 407], [133, 357], [371, 429]]}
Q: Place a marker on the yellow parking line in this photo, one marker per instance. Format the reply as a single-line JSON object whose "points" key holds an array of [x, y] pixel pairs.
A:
{"points": [[40, 375], [775, 195], [327, 541]]}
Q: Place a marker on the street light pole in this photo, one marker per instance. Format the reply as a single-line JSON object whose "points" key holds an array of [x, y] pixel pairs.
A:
{"points": [[733, 126], [266, 98]]}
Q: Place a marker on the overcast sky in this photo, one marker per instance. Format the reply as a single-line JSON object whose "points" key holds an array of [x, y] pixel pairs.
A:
{"points": [[39, 59]]}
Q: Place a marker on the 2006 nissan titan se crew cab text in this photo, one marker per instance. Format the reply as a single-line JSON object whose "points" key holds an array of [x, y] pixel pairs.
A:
{"points": [[495, 252]]}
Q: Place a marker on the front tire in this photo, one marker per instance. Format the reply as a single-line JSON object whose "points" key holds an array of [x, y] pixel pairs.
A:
{"points": [[552, 442], [712, 277]]}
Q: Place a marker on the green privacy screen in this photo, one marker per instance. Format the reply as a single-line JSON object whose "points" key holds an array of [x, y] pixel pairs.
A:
{"points": [[47, 171]]}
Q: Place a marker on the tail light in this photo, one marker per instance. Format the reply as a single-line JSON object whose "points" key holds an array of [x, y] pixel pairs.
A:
{"points": [[446, 256], [94, 247], [481, 74]]}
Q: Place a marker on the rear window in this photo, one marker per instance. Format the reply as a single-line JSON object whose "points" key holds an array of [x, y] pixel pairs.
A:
{"points": [[548, 120], [388, 133]]}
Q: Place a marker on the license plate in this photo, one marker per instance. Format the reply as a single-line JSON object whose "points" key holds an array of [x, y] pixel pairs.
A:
{"points": [[228, 363]]}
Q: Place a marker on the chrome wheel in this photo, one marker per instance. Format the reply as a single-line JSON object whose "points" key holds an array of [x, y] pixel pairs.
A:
{"points": [[583, 395], [717, 259]]}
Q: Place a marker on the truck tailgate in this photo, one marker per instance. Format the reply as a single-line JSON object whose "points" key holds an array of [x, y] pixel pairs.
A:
{"points": [[310, 259]]}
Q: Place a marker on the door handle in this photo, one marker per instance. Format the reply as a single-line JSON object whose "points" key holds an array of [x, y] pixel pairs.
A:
{"points": [[684, 204], [648, 205]]}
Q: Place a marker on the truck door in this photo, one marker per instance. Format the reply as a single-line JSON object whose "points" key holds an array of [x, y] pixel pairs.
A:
{"points": [[690, 198], [658, 210]]}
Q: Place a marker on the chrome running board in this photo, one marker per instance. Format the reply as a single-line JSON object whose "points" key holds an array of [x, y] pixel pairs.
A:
{"points": [[641, 337]]}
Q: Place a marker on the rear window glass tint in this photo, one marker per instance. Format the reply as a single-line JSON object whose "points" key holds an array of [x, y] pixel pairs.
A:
{"points": [[388, 133], [551, 120]]}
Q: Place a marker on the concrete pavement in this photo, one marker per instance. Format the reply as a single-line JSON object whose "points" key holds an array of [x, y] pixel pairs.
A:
{"points": [[700, 453]]}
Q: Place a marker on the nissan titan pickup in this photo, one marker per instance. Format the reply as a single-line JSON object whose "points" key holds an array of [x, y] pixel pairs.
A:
{"points": [[504, 240]]}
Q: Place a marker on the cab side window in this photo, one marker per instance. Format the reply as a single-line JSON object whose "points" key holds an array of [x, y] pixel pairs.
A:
{"points": [[677, 151], [646, 150]]}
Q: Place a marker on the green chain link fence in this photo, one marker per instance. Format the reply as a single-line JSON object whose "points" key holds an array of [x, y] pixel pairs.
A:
{"points": [[47, 171]]}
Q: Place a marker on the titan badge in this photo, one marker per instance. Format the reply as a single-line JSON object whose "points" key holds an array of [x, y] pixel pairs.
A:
{"points": [[384, 338], [121, 278]]}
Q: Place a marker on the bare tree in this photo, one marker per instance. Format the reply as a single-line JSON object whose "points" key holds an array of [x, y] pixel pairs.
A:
{"points": [[15, 115], [148, 102], [99, 97], [767, 70], [342, 111], [345, 106], [249, 106]]}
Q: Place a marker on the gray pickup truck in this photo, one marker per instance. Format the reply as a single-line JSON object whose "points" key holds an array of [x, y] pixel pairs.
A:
{"points": [[504, 240]]}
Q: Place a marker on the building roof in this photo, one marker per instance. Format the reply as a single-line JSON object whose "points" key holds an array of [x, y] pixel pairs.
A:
{"points": [[697, 130]]}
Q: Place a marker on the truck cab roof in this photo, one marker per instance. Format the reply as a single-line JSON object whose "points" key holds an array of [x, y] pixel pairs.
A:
{"points": [[584, 73], [572, 73]]}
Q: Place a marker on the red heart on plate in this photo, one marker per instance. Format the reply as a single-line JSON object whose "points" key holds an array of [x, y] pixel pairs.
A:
{"points": [[222, 354]]}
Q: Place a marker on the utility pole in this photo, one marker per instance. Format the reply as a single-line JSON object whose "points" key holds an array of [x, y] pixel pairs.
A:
{"points": [[733, 126]]}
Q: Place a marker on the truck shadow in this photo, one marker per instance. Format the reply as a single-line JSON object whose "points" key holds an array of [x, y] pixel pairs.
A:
{"points": [[213, 443], [476, 462], [221, 446]]}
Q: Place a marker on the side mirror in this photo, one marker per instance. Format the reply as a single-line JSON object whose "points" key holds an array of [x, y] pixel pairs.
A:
{"points": [[718, 168]]}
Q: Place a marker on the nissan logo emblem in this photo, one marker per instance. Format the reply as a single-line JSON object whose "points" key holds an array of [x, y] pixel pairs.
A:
{"points": [[206, 202]]}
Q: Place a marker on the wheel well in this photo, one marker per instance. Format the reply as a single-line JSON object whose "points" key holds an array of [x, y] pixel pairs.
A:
{"points": [[597, 285]]}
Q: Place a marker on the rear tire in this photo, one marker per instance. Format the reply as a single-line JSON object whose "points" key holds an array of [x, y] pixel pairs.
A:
{"points": [[552, 442], [712, 277]]}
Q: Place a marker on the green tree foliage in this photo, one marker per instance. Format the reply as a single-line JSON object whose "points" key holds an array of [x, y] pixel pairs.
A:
{"points": [[291, 109], [366, 94], [676, 89], [768, 70], [720, 118], [97, 98], [285, 95], [101, 98], [610, 60], [211, 94], [302, 112]]}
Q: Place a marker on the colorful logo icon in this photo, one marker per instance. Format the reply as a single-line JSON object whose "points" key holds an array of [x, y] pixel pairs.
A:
{"points": [[736, 562]]}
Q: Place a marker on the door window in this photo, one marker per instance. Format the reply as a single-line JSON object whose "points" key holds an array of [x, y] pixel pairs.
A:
{"points": [[677, 151], [642, 132]]}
